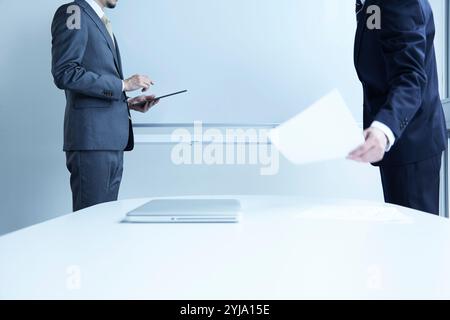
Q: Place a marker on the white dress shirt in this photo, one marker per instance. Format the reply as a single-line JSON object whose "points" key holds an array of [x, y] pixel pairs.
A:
{"points": [[387, 131], [99, 11]]}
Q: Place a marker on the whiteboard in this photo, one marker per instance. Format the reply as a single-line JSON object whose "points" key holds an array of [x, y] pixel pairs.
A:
{"points": [[243, 61]]}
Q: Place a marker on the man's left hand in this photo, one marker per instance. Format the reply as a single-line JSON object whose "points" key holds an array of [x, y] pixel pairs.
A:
{"points": [[373, 149], [150, 102]]}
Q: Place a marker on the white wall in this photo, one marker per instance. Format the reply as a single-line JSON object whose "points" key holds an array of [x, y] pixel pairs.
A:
{"points": [[252, 61], [34, 184], [439, 17], [33, 179]]}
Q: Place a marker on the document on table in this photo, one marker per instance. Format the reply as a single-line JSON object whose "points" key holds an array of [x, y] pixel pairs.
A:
{"points": [[324, 131], [369, 213]]}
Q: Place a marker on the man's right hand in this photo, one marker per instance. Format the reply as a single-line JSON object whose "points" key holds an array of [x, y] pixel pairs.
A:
{"points": [[137, 82]]}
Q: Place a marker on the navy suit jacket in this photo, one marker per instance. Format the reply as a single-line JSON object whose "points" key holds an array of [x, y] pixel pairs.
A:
{"points": [[397, 67], [87, 65]]}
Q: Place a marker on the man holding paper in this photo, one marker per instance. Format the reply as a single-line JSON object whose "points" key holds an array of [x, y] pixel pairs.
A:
{"points": [[403, 116], [86, 64]]}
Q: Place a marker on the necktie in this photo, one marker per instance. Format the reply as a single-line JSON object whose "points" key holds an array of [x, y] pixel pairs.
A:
{"points": [[359, 9], [108, 26]]}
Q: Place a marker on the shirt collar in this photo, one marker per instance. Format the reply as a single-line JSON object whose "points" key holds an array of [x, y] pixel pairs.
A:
{"points": [[98, 10]]}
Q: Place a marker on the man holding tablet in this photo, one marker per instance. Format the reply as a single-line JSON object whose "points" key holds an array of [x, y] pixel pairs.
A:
{"points": [[86, 64]]}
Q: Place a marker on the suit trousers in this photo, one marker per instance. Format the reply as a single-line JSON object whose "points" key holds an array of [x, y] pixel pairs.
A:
{"points": [[414, 185], [95, 176]]}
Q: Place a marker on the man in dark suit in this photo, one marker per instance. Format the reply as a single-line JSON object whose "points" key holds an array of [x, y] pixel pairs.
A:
{"points": [[403, 116], [86, 64]]}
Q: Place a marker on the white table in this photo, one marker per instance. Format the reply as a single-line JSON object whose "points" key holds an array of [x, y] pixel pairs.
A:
{"points": [[276, 252]]}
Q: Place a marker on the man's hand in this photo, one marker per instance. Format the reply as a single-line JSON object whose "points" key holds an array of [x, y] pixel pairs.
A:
{"points": [[150, 102], [137, 82], [373, 149]]}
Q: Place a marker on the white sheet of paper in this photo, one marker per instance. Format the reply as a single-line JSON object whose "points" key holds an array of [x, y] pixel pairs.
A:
{"points": [[324, 131], [357, 214]]}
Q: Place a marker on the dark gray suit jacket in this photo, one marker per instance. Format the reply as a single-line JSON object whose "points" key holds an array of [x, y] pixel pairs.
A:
{"points": [[87, 65]]}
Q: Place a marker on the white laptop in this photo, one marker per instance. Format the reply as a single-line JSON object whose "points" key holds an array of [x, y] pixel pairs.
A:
{"points": [[186, 211]]}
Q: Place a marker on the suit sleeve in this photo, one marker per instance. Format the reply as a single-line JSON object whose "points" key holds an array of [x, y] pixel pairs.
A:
{"points": [[68, 48], [403, 41]]}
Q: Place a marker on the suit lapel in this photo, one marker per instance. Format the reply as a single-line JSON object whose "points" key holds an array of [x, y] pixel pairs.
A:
{"points": [[101, 26], [360, 31], [119, 59]]}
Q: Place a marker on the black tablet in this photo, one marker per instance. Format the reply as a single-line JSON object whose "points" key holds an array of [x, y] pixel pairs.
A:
{"points": [[141, 104]]}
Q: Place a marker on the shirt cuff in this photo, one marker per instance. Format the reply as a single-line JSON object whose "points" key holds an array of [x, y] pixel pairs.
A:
{"points": [[387, 131], [123, 86]]}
